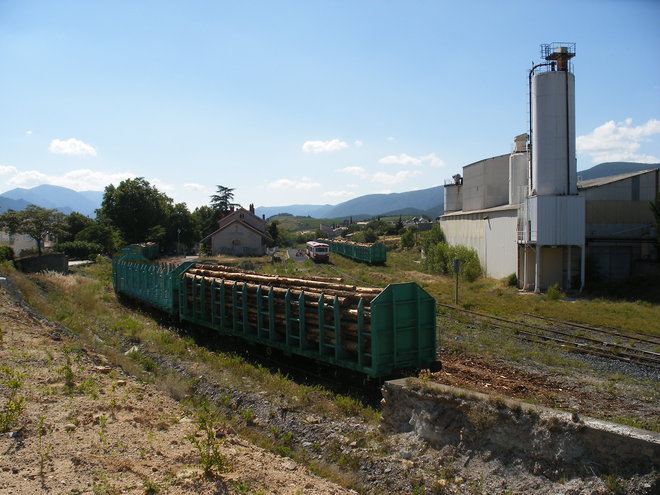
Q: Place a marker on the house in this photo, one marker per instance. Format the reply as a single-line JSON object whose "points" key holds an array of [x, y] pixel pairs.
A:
{"points": [[240, 233], [23, 243]]}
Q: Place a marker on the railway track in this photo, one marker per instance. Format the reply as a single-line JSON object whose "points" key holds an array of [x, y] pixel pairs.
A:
{"points": [[573, 337]]}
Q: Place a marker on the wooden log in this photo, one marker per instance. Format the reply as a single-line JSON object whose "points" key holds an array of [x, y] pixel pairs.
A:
{"points": [[275, 279]]}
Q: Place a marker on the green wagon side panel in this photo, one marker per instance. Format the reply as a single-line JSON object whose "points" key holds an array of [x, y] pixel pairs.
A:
{"points": [[374, 254], [403, 329]]}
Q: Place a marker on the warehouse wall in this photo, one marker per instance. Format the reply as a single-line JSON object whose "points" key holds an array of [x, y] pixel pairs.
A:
{"points": [[492, 234]]}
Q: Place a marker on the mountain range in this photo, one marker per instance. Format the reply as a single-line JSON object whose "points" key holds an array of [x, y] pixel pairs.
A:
{"points": [[428, 202]]}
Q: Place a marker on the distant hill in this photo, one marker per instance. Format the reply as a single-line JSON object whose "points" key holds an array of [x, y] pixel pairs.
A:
{"points": [[55, 197], [614, 168], [417, 203], [7, 204]]}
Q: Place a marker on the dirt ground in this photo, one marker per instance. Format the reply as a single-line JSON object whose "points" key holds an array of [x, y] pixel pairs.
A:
{"points": [[109, 434]]}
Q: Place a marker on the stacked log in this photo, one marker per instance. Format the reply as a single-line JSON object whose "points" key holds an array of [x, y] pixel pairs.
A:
{"points": [[353, 304]]}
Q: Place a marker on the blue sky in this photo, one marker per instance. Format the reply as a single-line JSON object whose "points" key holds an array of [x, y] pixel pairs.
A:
{"points": [[306, 101]]}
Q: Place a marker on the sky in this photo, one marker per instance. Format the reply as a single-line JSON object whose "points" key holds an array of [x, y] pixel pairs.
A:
{"points": [[307, 102]]}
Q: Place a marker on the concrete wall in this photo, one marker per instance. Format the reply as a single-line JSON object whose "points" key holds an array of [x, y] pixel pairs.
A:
{"points": [[544, 441], [237, 239], [493, 238], [36, 264], [486, 183]]}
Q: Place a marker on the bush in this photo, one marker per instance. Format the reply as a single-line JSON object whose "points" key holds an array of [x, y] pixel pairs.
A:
{"points": [[511, 280], [6, 253], [440, 259], [80, 249], [554, 293]]}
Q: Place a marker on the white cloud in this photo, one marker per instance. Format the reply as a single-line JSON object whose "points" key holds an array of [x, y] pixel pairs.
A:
{"points": [[433, 160], [390, 138], [29, 133], [305, 183], [391, 179], [324, 146], [618, 141], [357, 171], [358, 144], [78, 180], [195, 187], [401, 159], [71, 146]]}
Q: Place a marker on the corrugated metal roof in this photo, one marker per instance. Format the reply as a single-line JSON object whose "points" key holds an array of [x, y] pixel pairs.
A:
{"points": [[586, 184]]}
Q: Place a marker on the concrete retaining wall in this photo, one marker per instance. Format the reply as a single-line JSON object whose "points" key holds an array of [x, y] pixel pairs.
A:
{"points": [[549, 442], [35, 264]]}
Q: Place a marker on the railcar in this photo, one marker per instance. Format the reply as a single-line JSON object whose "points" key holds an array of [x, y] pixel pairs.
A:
{"points": [[374, 253], [375, 332], [318, 251]]}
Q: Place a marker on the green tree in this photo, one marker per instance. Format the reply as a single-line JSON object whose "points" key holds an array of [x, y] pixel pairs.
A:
{"points": [[409, 237], [274, 232], [206, 220], [103, 233], [74, 223], [37, 222], [182, 227], [139, 210], [222, 200]]}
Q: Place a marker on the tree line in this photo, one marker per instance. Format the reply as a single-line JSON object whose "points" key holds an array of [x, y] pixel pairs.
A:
{"points": [[132, 212]]}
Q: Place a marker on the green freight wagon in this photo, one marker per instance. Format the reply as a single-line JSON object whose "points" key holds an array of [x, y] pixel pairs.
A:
{"points": [[377, 332], [374, 254]]}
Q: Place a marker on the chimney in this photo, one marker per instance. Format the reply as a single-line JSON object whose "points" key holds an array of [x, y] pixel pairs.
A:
{"points": [[252, 208]]}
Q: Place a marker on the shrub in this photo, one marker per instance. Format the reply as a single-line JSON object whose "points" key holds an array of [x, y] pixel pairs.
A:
{"points": [[512, 280], [6, 253], [440, 259], [554, 293], [80, 249]]}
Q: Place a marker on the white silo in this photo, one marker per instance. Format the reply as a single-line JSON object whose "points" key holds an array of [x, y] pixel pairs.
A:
{"points": [[551, 221], [554, 169], [518, 166]]}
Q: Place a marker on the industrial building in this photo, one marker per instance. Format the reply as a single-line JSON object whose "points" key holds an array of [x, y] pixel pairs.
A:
{"points": [[527, 213]]}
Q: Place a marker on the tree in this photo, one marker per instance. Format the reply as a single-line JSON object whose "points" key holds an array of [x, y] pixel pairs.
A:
{"points": [[139, 210], [206, 220], [37, 222], [273, 232], [74, 223], [182, 227], [103, 233], [222, 200]]}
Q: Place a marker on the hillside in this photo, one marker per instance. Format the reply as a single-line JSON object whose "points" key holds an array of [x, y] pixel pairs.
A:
{"points": [[56, 197], [614, 168]]}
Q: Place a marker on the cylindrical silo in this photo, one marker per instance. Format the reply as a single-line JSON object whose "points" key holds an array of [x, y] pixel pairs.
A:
{"points": [[554, 169], [518, 164], [453, 198]]}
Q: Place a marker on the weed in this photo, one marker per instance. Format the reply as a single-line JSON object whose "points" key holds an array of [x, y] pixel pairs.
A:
{"points": [[102, 485], [554, 293], [103, 421], [89, 387], [613, 485], [205, 441], [44, 450], [15, 404], [248, 415], [151, 487], [67, 373]]}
